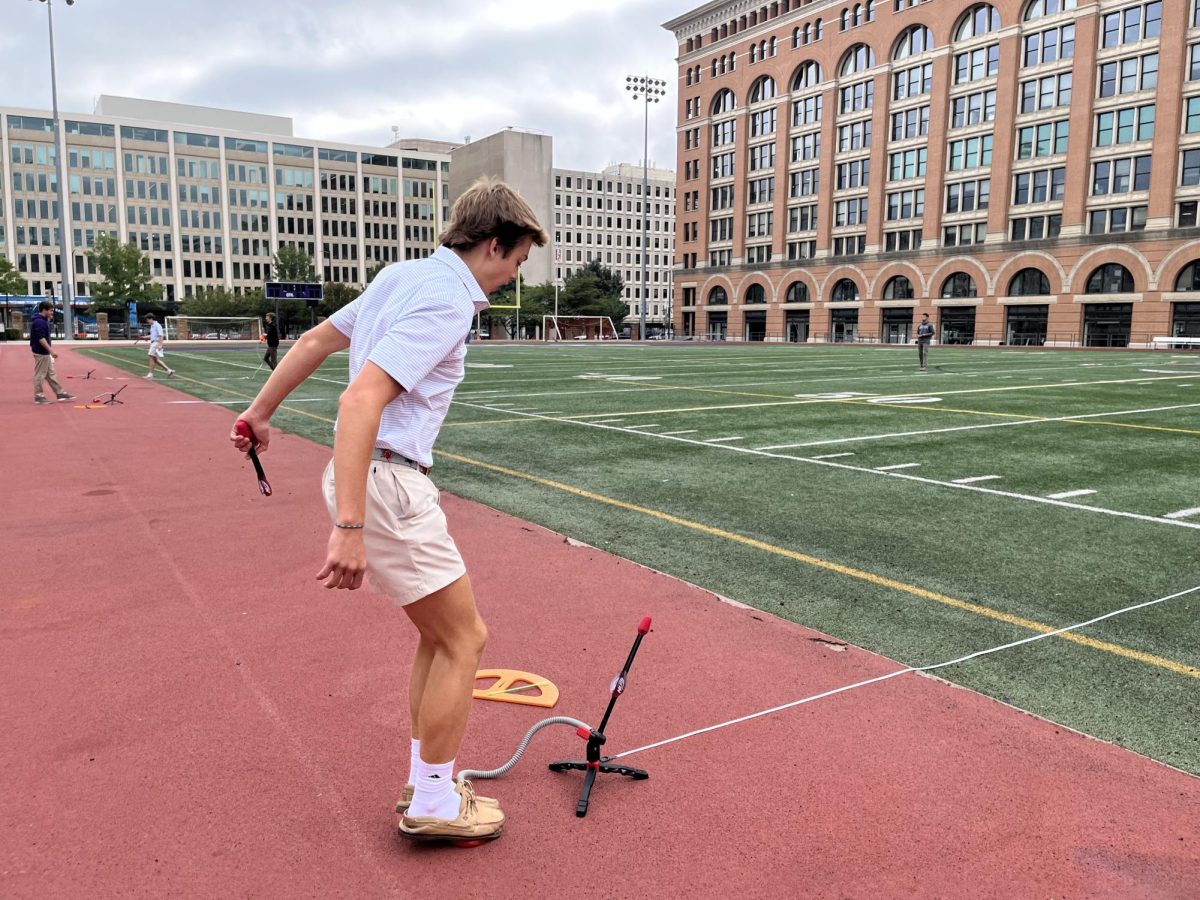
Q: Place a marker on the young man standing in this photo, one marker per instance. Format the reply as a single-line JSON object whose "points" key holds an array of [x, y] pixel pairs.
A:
{"points": [[406, 336], [155, 354], [271, 357], [44, 355], [924, 336]]}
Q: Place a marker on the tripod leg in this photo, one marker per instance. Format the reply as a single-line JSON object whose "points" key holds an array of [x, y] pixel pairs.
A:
{"points": [[589, 778]]}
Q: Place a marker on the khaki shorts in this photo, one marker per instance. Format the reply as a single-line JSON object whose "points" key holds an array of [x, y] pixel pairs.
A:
{"points": [[156, 350], [410, 554]]}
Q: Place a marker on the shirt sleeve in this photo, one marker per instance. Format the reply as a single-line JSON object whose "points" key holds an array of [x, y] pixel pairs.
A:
{"points": [[425, 335], [343, 319]]}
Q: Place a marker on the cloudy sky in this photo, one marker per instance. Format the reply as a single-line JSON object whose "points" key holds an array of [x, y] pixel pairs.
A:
{"points": [[352, 69]]}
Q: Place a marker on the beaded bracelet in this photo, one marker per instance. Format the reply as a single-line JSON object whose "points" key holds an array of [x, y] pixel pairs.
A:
{"points": [[351, 527]]}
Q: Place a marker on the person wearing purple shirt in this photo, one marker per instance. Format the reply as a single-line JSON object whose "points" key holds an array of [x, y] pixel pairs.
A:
{"points": [[44, 355]]}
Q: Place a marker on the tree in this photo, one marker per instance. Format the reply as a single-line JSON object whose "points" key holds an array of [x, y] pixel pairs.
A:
{"points": [[219, 301], [374, 270], [337, 295], [294, 265], [11, 280], [594, 290], [537, 300], [126, 271]]}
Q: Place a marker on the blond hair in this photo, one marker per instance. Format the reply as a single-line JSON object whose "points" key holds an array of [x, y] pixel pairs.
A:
{"points": [[491, 209]]}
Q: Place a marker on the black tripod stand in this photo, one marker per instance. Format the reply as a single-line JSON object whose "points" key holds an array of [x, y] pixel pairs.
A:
{"points": [[112, 397], [595, 762]]}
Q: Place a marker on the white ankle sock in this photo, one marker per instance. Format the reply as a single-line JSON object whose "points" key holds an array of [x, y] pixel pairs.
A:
{"points": [[414, 761], [434, 793]]}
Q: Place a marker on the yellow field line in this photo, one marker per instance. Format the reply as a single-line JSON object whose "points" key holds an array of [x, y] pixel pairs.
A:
{"points": [[975, 608]]}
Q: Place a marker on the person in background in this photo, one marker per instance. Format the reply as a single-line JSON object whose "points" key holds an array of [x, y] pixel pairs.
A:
{"points": [[271, 357], [44, 355], [155, 353], [924, 336]]}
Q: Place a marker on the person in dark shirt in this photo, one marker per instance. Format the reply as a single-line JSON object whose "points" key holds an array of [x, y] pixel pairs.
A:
{"points": [[44, 355], [924, 336], [271, 357]]}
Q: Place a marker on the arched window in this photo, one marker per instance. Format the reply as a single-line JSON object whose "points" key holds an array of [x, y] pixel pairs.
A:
{"points": [[858, 58], [960, 284], [724, 63], [845, 19], [773, 47], [1110, 278], [870, 10], [898, 288], [797, 292], [763, 89], [1029, 283], [1038, 8], [714, 67], [756, 294], [818, 29], [845, 290], [753, 54], [980, 19], [723, 102], [807, 75], [858, 14], [733, 62], [799, 37], [1189, 278], [915, 39], [718, 297]]}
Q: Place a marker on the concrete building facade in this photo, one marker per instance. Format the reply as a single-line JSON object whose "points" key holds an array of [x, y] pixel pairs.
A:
{"points": [[1026, 171], [210, 195], [598, 216]]}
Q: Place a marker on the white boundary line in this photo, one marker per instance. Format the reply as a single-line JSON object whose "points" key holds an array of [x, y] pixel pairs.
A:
{"points": [[890, 675], [1063, 495], [1011, 495]]}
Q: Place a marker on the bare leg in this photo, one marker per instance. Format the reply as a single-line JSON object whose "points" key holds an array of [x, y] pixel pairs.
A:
{"points": [[455, 636], [417, 680]]}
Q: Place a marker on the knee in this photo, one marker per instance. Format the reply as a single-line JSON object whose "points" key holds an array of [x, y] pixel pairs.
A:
{"points": [[477, 637]]}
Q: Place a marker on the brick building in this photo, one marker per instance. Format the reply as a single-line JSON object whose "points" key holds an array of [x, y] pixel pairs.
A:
{"points": [[1026, 171]]}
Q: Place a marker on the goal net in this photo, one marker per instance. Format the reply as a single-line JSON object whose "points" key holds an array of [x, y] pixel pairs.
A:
{"points": [[578, 328], [213, 328]]}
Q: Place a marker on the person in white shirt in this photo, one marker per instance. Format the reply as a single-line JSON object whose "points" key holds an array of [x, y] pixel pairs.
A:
{"points": [[405, 335], [155, 354]]}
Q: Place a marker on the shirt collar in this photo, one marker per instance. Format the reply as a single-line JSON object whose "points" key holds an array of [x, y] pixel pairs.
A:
{"points": [[449, 258]]}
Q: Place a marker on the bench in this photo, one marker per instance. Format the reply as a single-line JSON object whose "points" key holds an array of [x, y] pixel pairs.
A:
{"points": [[1175, 342]]}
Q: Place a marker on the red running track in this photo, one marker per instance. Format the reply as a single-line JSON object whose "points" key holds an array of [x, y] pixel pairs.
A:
{"points": [[187, 713]]}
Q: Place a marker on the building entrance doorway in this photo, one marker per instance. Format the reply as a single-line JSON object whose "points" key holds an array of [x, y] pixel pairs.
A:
{"points": [[796, 326], [897, 325], [843, 327], [1107, 324]]}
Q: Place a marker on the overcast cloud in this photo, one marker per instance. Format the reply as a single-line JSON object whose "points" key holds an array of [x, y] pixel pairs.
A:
{"points": [[350, 70]]}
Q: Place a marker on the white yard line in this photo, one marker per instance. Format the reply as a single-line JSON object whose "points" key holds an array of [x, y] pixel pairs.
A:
{"points": [[831, 456], [690, 431], [650, 425], [898, 434], [1011, 495], [1063, 495], [721, 440], [897, 466], [1183, 513], [975, 478]]}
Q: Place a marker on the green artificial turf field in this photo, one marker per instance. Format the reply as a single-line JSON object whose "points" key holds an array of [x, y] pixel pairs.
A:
{"points": [[922, 516]]}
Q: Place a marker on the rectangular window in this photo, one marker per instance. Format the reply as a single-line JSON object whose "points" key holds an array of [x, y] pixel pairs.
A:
{"points": [[724, 133], [1120, 176], [972, 109], [761, 190], [1039, 186], [1192, 115], [1186, 214], [1049, 46], [1128, 76], [856, 97], [763, 122], [850, 212], [805, 183], [912, 123], [906, 204], [1046, 92], [1189, 168], [806, 111], [1117, 220], [762, 157], [856, 136], [802, 218], [1036, 228], [968, 196], [722, 165], [964, 235], [1044, 139], [912, 82], [909, 239], [970, 153], [806, 147], [1124, 126], [1194, 61], [760, 224], [907, 164], [974, 65], [1131, 24], [852, 175]]}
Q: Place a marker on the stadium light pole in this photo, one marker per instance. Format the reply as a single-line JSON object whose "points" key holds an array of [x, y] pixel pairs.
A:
{"points": [[649, 90], [66, 281]]}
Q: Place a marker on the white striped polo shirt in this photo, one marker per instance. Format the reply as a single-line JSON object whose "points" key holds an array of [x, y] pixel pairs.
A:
{"points": [[412, 321]]}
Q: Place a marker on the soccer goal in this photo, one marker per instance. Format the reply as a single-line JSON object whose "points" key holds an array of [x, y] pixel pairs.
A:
{"points": [[578, 328], [213, 328]]}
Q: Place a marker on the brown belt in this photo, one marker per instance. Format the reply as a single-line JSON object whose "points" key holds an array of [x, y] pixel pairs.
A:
{"points": [[391, 456]]}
